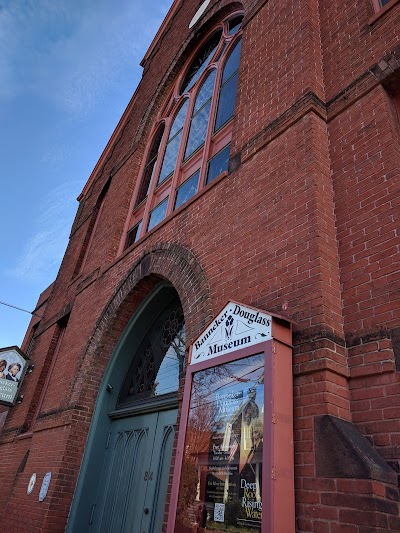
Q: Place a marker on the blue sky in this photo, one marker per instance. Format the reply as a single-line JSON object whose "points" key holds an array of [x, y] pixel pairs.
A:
{"points": [[67, 71]]}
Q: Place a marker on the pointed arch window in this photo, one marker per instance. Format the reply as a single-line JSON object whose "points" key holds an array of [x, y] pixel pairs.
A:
{"points": [[174, 140], [191, 146], [150, 165], [227, 92], [94, 220], [200, 116]]}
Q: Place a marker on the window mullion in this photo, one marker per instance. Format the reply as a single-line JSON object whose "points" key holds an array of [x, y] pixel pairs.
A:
{"points": [[149, 204], [133, 207], [210, 127], [181, 151], [170, 166]]}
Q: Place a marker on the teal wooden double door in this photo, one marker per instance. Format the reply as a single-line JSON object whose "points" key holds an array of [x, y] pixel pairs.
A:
{"points": [[133, 483]]}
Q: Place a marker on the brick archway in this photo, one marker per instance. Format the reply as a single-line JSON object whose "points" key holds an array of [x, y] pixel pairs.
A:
{"points": [[163, 266], [165, 262]]}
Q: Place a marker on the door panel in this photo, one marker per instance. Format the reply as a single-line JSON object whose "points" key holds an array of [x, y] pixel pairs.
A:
{"points": [[160, 467], [120, 482], [134, 480], [133, 502]]}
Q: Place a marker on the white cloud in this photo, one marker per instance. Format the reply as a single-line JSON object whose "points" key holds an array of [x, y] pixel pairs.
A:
{"points": [[56, 154], [71, 52], [63, 64], [45, 246], [7, 46]]}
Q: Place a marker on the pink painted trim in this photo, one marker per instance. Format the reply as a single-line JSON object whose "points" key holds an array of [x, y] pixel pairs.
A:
{"points": [[131, 219], [266, 349], [226, 358], [198, 160], [165, 221], [179, 453], [379, 10], [283, 504], [161, 29], [268, 444], [23, 436]]}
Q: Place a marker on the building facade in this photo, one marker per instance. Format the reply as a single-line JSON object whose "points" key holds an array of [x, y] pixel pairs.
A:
{"points": [[257, 162]]}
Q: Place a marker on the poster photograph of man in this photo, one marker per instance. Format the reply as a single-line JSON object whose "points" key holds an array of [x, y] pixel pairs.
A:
{"points": [[12, 369], [221, 483]]}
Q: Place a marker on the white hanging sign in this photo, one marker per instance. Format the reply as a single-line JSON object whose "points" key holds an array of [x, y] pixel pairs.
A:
{"points": [[13, 366], [237, 326]]}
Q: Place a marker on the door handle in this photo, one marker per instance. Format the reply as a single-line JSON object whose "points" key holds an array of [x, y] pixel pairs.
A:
{"points": [[146, 510]]}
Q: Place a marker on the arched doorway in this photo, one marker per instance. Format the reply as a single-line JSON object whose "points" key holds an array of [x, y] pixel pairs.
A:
{"points": [[124, 477]]}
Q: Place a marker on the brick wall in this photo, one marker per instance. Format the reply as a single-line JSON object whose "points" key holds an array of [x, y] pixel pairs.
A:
{"points": [[306, 225]]}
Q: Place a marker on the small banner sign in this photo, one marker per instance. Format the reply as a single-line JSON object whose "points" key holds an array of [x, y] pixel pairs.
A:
{"points": [[13, 366], [237, 326]]}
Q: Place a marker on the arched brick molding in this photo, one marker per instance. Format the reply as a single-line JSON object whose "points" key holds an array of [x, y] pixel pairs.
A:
{"points": [[167, 262], [164, 262], [208, 20]]}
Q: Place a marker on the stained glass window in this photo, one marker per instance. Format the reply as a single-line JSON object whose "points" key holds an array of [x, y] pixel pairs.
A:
{"points": [[197, 122], [218, 164], [200, 117], [174, 141], [150, 165], [158, 214], [133, 235], [201, 61], [187, 190], [234, 25], [158, 362], [227, 96], [379, 4]]}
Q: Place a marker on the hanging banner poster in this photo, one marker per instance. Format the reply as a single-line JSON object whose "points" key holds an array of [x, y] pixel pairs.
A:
{"points": [[221, 479], [13, 366]]}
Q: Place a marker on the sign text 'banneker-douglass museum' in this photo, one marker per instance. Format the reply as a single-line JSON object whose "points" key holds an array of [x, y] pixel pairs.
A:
{"points": [[220, 350]]}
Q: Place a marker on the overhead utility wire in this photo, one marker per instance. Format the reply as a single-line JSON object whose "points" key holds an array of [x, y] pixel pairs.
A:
{"points": [[20, 309]]}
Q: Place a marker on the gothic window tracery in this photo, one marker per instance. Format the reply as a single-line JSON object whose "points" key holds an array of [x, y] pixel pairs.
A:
{"points": [[191, 144], [158, 362]]}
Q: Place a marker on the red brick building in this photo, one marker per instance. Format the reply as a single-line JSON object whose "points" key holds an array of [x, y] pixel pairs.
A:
{"points": [[258, 161]]}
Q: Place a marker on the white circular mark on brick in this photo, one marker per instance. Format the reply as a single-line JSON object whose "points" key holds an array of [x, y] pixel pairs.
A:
{"points": [[31, 484], [199, 13]]}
